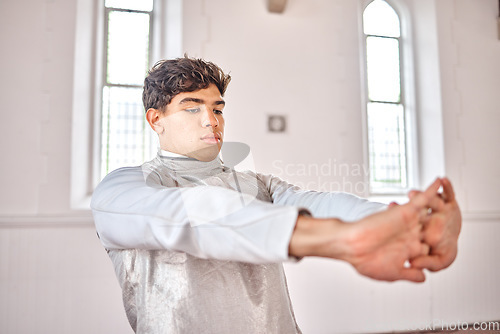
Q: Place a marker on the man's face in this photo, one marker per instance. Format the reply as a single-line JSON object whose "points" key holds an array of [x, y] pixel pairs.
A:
{"points": [[193, 124]]}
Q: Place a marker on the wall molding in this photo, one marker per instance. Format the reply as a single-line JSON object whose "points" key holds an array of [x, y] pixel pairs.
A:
{"points": [[481, 216], [85, 219], [15, 221]]}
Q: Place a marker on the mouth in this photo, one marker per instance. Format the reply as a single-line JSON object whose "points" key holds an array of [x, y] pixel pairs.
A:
{"points": [[212, 138]]}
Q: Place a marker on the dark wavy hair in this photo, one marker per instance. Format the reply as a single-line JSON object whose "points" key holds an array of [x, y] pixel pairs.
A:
{"points": [[170, 77]]}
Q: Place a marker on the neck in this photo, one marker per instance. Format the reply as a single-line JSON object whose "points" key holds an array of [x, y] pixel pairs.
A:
{"points": [[169, 154]]}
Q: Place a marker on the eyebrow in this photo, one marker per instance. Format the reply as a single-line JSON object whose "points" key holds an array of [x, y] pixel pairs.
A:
{"points": [[200, 101]]}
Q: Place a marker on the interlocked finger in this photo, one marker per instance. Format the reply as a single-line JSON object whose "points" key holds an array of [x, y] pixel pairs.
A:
{"points": [[423, 199], [426, 249], [436, 203], [448, 192]]}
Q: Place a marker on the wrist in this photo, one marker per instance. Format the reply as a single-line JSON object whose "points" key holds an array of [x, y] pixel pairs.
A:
{"points": [[330, 238]]}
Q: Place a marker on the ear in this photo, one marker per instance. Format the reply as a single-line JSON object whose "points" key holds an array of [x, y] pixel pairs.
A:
{"points": [[153, 117]]}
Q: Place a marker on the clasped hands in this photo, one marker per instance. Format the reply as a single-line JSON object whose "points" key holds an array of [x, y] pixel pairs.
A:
{"points": [[421, 234], [395, 244]]}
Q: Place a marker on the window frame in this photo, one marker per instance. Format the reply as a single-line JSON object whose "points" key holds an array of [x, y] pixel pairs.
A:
{"points": [[407, 100], [100, 173], [89, 74]]}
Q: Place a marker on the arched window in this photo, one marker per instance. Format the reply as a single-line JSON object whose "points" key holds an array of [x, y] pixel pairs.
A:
{"points": [[124, 137], [117, 41], [386, 114]]}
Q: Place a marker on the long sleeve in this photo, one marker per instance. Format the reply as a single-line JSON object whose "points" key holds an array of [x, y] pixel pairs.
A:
{"points": [[131, 211], [340, 205]]}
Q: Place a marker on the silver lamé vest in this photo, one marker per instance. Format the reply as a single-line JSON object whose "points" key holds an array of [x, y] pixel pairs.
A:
{"points": [[171, 292]]}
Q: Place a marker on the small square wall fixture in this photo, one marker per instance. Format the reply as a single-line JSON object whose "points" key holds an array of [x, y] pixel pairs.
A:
{"points": [[276, 123], [276, 6]]}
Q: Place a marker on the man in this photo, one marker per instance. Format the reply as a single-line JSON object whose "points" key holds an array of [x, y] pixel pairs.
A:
{"points": [[197, 247]]}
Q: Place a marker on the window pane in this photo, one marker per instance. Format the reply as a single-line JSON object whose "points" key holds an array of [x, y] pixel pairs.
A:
{"points": [[128, 48], [383, 69], [125, 137], [386, 144], [144, 5], [379, 18]]}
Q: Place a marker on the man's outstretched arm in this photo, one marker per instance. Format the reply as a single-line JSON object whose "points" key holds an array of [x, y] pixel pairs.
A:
{"points": [[131, 214]]}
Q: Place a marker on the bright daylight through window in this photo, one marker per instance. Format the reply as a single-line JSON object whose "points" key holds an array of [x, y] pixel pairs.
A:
{"points": [[387, 142], [124, 139]]}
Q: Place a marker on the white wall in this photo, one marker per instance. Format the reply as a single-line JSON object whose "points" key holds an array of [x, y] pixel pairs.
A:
{"points": [[304, 64], [54, 275]]}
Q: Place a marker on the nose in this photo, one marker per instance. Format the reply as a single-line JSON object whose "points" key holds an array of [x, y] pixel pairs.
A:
{"points": [[209, 119]]}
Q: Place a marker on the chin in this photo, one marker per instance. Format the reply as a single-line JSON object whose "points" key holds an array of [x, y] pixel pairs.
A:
{"points": [[207, 153]]}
